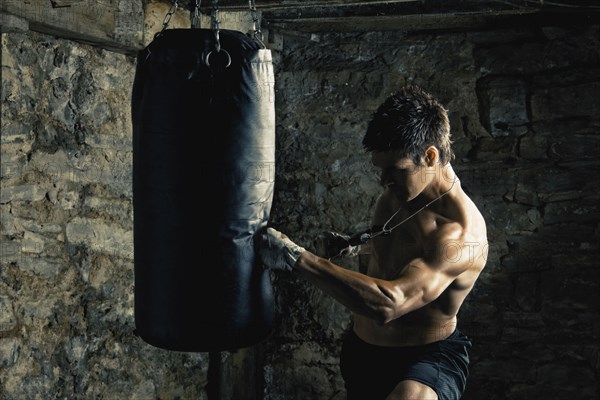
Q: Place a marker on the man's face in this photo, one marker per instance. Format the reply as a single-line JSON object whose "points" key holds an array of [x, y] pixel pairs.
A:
{"points": [[400, 175]]}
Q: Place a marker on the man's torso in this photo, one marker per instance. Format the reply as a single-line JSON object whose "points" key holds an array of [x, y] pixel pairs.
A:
{"points": [[391, 254]]}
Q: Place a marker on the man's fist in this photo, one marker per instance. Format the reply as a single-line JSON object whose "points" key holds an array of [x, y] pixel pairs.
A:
{"points": [[332, 244], [277, 251]]}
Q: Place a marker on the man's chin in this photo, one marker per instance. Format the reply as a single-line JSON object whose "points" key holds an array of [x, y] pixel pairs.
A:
{"points": [[411, 197], [402, 196]]}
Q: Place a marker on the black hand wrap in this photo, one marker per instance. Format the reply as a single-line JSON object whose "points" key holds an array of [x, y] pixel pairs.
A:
{"points": [[332, 244]]}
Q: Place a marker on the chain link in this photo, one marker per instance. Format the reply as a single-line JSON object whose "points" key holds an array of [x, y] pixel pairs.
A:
{"points": [[255, 20], [168, 16], [214, 24], [195, 15]]}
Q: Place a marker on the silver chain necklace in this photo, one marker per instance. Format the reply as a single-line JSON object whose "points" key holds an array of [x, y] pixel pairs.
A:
{"points": [[363, 238], [385, 230]]}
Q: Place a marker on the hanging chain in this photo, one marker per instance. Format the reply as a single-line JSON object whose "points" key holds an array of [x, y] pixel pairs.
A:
{"points": [[214, 24], [214, 20], [195, 15], [168, 17], [255, 20]]}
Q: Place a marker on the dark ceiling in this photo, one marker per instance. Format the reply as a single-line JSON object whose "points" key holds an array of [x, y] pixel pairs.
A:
{"points": [[369, 15]]}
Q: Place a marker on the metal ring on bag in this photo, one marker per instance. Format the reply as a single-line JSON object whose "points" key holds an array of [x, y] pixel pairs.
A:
{"points": [[207, 56]]}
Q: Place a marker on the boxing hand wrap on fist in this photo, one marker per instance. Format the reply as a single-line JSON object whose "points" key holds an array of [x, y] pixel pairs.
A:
{"points": [[277, 251]]}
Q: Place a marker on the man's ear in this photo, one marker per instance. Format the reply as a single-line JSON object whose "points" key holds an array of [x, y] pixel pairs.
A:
{"points": [[432, 155]]}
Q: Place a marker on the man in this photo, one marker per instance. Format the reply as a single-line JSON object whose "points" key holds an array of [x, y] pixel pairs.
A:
{"points": [[427, 247]]}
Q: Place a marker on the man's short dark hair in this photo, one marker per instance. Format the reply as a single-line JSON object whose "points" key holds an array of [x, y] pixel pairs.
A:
{"points": [[408, 122]]}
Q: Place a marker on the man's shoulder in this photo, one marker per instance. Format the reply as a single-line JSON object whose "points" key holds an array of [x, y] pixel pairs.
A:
{"points": [[449, 231]]}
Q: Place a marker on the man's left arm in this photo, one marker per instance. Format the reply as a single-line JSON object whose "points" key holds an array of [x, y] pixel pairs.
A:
{"points": [[424, 279], [420, 282]]}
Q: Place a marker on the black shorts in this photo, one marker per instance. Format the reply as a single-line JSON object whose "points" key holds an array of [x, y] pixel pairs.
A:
{"points": [[371, 372]]}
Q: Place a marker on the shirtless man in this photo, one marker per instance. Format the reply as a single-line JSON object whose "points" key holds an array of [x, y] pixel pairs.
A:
{"points": [[427, 247]]}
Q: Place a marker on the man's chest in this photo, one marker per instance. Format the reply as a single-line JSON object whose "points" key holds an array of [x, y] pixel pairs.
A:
{"points": [[392, 254]]}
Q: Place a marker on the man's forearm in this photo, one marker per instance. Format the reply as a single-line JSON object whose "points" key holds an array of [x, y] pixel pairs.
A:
{"points": [[360, 293]]}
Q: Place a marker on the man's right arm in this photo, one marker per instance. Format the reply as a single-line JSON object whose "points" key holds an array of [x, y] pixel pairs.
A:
{"points": [[421, 282], [360, 293]]}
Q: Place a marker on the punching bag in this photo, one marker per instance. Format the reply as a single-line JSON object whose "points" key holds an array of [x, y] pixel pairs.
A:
{"points": [[203, 176]]}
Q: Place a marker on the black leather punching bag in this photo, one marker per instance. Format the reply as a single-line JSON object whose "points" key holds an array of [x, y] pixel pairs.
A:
{"points": [[203, 177]]}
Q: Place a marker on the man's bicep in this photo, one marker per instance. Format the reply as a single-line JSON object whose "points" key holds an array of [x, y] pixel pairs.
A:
{"points": [[423, 282], [425, 278]]}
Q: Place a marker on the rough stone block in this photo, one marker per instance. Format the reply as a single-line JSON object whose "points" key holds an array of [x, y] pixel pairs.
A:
{"points": [[526, 262], [534, 147], [519, 220], [527, 293], [501, 37], [44, 267], [8, 320], [530, 56], [565, 301], [494, 149], [576, 147], [556, 129], [100, 237], [560, 196], [565, 102], [32, 243], [546, 179], [576, 75], [117, 209], [526, 195], [12, 23], [10, 251], [330, 314], [303, 371], [568, 375], [9, 351], [503, 105], [488, 179], [116, 25], [543, 391], [507, 370], [19, 193], [567, 234], [572, 212]]}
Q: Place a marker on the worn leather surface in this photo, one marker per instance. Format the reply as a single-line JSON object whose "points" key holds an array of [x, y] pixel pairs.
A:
{"points": [[203, 178]]}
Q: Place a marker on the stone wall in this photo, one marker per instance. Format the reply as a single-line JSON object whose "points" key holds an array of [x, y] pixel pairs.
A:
{"points": [[66, 278], [524, 114], [524, 108]]}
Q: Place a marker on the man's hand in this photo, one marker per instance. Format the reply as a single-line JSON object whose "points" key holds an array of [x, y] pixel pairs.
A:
{"points": [[277, 251], [332, 244]]}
